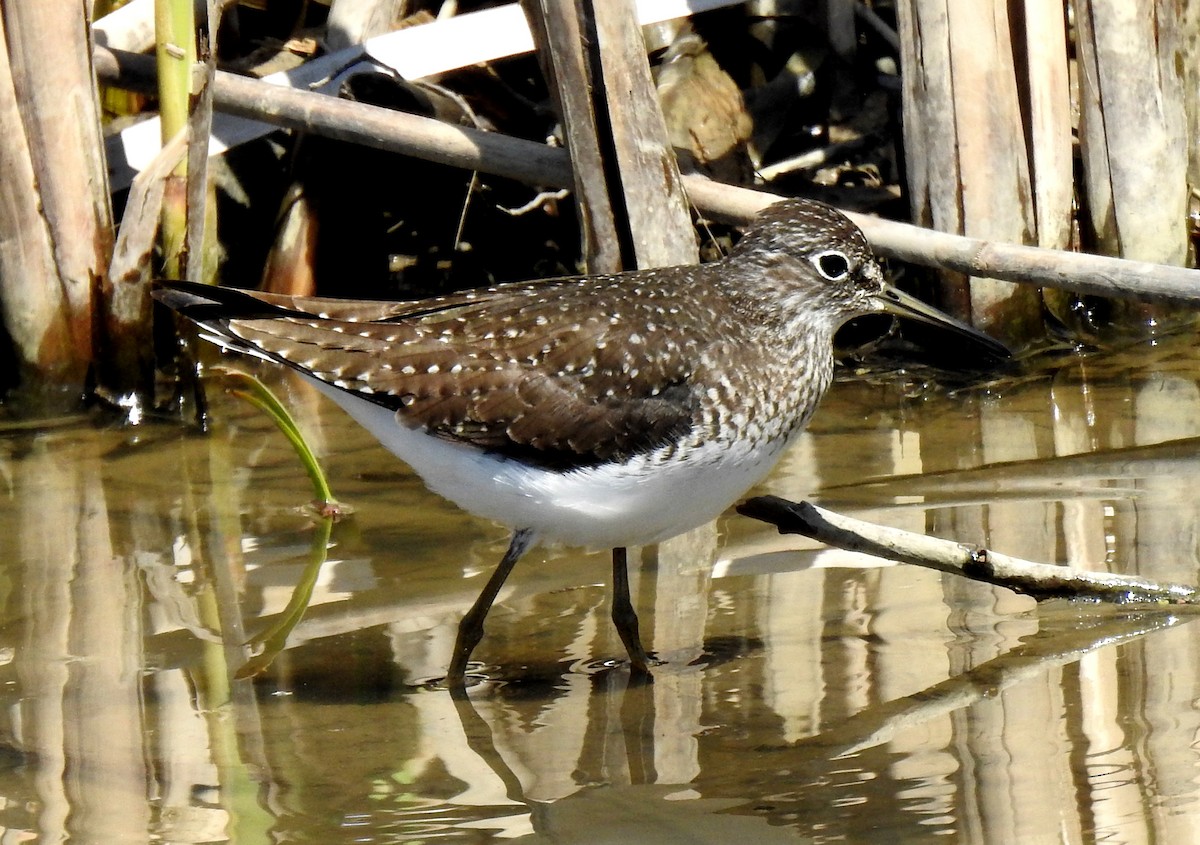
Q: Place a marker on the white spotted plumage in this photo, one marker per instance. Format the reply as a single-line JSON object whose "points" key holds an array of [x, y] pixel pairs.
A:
{"points": [[602, 411]]}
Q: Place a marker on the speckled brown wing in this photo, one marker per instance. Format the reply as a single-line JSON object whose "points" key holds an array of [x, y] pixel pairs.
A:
{"points": [[500, 369]]}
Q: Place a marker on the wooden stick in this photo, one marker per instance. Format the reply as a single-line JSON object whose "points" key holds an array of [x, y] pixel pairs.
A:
{"points": [[536, 164], [1097, 274], [1040, 580]]}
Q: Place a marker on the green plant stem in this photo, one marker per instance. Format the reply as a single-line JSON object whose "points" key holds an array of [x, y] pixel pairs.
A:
{"points": [[275, 638], [256, 393]]}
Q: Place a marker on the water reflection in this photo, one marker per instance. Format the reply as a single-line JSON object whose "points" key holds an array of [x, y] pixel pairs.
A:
{"points": [[808, 695]]}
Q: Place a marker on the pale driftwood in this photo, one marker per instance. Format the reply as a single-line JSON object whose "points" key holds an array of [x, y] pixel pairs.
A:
{"points": [[1039, 580], [130, 27], [457, 146], [537, 164], [1132, 127], [557, 32], [1095, 274]]}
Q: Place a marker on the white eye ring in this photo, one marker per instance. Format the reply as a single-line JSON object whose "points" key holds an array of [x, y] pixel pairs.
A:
{"points": [[831, 264]]}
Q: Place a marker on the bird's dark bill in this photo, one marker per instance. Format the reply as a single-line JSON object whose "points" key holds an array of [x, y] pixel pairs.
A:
{"points": [[901, 304]]}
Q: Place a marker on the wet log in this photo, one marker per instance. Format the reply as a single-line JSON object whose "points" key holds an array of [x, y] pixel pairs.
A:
{"points": [[1095, 274]]}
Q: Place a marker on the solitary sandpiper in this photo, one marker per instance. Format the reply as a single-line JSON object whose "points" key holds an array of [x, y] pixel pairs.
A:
{"points": [[603, 411]]}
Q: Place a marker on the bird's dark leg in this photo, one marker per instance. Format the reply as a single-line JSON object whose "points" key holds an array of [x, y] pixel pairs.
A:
{"points": [[470, 629], [624, 617]]}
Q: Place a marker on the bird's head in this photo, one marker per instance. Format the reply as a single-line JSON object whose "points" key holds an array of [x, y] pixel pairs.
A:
{"points": [[815, 259]]}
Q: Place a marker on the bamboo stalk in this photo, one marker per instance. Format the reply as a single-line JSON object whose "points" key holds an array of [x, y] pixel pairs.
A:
{"points": [[175, 53]]}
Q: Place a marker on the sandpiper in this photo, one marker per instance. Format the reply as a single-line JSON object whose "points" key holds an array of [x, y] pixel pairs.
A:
{"points": [[604, 411]]}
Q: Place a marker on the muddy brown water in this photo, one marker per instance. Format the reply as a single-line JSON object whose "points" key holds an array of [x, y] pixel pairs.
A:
{"points": [[807, 695]]}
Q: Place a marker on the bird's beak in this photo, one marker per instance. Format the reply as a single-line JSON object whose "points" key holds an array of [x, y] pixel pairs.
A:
{"points": [[900, 304]]}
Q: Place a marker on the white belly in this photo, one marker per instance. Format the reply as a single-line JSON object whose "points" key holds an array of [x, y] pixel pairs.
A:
{"points": [[600, 507]]}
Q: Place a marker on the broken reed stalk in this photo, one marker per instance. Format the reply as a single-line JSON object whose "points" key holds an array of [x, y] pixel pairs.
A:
{"points": [[967, 165], [1039, 580], [56, 228]]}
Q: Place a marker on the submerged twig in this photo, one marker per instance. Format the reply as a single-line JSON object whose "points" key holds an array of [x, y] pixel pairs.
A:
{"points": [[1040, 580]]}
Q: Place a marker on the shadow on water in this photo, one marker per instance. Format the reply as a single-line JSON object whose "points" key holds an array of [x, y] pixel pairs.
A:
{"points": [[808, 694]]}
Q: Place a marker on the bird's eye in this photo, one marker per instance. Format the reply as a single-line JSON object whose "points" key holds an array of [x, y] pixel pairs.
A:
{"points": [[831, 264]]}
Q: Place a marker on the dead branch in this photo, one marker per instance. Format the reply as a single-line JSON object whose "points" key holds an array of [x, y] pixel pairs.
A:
{"points": [[1040, 580]]}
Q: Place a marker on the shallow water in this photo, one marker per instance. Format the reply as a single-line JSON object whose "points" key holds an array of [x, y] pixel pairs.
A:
{"points": [[807, 695]]}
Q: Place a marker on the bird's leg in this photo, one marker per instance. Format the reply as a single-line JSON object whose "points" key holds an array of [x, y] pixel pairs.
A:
{"points": [[470, 629], [624, 617]]}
